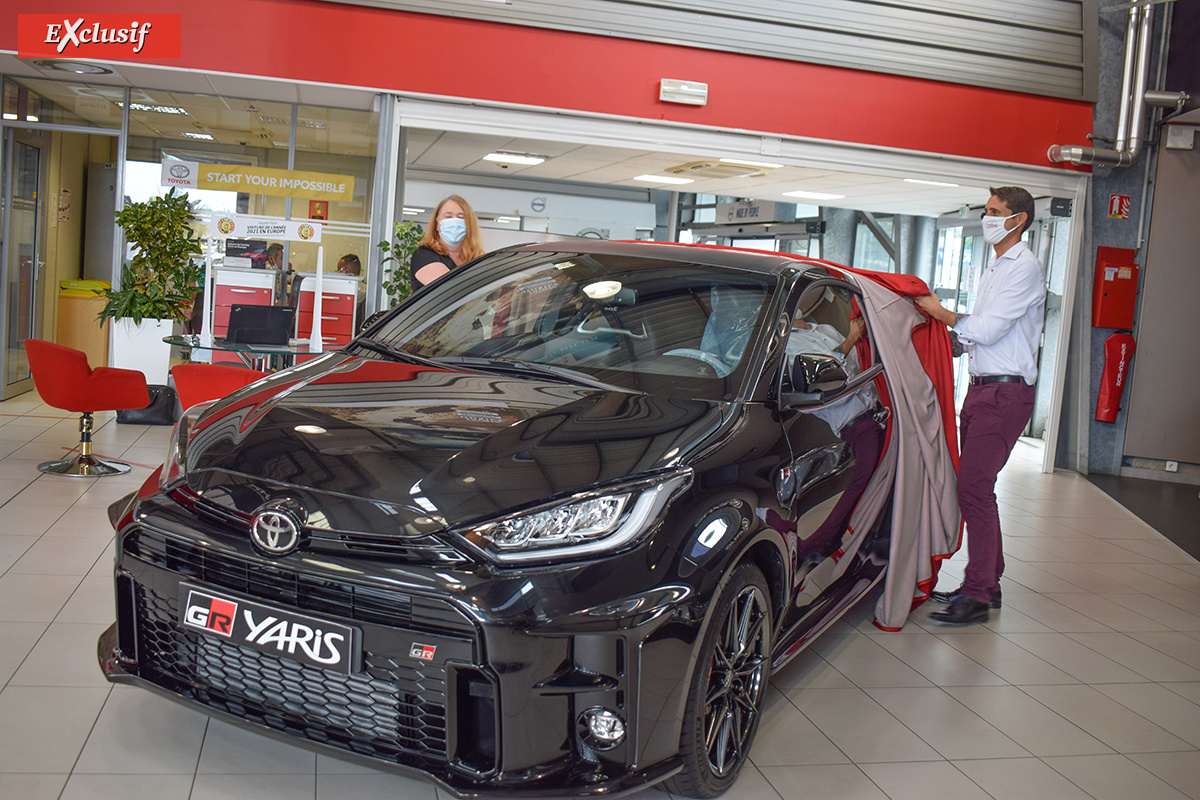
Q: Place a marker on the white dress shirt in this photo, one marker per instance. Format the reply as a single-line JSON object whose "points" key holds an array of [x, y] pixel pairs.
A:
{"points": [[1004, 329], [826, 340]]}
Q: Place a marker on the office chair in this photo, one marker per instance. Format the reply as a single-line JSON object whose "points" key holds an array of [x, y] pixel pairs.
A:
{"points": [[65, 380]]}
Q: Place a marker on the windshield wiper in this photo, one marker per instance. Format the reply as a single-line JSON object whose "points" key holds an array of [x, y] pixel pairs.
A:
{"points": [[394, 352], [552, 371]]}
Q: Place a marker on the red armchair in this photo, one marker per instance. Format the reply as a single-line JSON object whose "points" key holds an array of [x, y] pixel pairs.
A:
{"points": [[65, 380], [198, 383]]}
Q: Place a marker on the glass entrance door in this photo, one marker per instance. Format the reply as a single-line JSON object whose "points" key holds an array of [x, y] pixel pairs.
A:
{"points": [[22, 216]]}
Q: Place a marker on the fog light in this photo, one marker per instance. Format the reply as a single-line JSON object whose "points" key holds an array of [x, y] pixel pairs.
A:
{"points": [[604, 728]]}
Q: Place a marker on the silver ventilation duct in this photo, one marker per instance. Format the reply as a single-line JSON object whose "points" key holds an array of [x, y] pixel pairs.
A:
{"points": [[1134, 99]]}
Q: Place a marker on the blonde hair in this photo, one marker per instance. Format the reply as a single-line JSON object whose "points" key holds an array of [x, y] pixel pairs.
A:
{"points": [[471, 246]]}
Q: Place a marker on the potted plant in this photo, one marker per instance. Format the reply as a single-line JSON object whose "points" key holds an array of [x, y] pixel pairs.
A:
{"points": [[157, 285], [396, 279]]}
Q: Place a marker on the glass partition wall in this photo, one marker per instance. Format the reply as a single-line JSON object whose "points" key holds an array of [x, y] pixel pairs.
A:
{"points": [[82, 125]]}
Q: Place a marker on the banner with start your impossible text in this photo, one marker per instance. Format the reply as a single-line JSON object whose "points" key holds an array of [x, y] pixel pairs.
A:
{"points": [[257, 180]]}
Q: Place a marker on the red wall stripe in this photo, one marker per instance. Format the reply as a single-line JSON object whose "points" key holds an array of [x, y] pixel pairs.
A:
{"points": [[310, 40]]}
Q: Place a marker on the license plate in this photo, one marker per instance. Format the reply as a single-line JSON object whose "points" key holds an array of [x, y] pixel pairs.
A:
{"points": [[317, 642]]}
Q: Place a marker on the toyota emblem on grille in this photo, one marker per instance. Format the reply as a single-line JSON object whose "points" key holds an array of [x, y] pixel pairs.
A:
{"points": [[275, 529]]}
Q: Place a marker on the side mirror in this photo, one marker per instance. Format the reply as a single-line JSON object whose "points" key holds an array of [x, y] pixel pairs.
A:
{"points": [[807, 377]]}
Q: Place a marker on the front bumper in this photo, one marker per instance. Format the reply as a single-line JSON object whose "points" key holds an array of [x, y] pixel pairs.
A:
{"points": [[496, 709]]}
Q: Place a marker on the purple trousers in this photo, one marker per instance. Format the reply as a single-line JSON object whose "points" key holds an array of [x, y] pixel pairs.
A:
{"points": [[864, 437], [992, 417]]}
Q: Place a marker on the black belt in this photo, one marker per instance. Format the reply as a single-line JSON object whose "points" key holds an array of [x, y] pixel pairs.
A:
{"points": [[980, 380]]}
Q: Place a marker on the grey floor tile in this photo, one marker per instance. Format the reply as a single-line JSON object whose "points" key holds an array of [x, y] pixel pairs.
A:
{"points": [[1167, 709], [822, 783], [1180, 770], [865, 662], [937, 661], [34, 598], [860, 727], [915, 781], [1149, 662], [43, 728], [1028, 722], [64, 656], [141, 733], [128, 787], [1082, 663], [1113, 777], [233, 750], [373, 786], [17, 640], [260, 787], [1112, 723], [1013, 663], [948, 726], [29, 786], [1020, 779], [788, 738]]}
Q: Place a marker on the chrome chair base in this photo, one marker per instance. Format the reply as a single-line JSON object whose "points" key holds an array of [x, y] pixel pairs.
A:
{"points": [[84, 466]]}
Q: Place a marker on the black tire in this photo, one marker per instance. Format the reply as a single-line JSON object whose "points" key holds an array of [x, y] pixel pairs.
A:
{"points": [[725, 698]]}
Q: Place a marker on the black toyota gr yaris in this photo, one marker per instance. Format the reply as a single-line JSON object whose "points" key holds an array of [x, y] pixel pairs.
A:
{"points": [[547, 528]]}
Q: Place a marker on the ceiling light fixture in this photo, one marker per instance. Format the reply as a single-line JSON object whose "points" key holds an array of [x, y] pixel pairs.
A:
{"points": [[814, 195], [156, 108], [412, 211], [663, 179], [744, 163], [78, 67], [505, 157], [931, 183]]}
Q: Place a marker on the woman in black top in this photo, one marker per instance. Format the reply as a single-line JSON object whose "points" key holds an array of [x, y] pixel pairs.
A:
{"points": [[452, 239]]}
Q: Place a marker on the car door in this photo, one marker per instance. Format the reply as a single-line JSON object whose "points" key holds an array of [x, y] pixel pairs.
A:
{"points": [[833, 422]]}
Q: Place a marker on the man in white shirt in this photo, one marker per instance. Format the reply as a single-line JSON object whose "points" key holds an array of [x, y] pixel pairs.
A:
{"points": [[1001, 338]]}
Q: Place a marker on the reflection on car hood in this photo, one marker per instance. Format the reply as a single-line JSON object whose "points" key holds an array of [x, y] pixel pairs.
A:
{"points": [[440, 447]]}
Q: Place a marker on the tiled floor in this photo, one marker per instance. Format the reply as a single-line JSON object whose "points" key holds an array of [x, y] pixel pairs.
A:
{"points": [[1085, 685]]}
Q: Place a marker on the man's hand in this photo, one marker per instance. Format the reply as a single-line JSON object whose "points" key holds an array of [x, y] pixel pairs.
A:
{"points": [[857, 329], [933, 307]]}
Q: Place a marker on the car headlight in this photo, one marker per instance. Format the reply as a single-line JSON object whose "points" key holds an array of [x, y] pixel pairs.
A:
{"points": [[174, 469], [582, 525]]}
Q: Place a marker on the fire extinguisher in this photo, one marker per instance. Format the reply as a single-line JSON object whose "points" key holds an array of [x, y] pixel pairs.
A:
{"points": [[1118, 349]]}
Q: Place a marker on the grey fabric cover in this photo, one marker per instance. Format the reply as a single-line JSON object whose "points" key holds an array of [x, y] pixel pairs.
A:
{"points": [[925, 516]]}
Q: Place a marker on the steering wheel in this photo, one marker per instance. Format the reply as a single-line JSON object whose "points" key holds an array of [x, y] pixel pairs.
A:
{"points": [[717, 364]]}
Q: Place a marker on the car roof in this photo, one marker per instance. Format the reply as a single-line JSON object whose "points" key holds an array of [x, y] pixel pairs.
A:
{"points": [[710, 255]]}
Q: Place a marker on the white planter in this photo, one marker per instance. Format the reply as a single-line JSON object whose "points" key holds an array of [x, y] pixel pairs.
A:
{"points": [[141, 347]]}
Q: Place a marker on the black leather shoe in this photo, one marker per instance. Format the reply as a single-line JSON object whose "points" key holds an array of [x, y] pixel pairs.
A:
{"points": [[962, 610], [948, 597]]}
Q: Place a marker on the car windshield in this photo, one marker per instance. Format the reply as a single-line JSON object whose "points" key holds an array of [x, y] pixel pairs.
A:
{"points": [[635, 323]]}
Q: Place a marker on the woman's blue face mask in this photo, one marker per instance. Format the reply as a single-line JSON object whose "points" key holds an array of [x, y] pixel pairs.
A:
{"points": [[453, 230]]}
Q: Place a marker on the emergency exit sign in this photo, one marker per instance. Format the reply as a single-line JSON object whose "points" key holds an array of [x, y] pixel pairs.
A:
{"points": [[1118, 206]]}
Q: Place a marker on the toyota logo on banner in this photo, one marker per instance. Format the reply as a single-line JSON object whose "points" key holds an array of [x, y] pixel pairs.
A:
{"points": [[275, 529]]}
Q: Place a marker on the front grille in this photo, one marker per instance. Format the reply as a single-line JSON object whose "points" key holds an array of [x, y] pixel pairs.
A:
{"points": [[406, 549], [390, 710], [268, 581]]}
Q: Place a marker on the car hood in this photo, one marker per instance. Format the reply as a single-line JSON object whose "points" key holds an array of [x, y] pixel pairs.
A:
{"points": [[376, 446]]}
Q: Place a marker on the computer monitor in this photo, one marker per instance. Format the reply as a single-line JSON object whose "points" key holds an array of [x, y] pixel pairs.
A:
{"points": [[251, 324]]}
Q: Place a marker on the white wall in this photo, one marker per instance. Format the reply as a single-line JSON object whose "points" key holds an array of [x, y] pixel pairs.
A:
{"points": [[543, 212]]}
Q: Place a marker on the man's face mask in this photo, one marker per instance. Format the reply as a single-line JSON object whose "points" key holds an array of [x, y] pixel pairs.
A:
{"points": [[994, 230]]}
